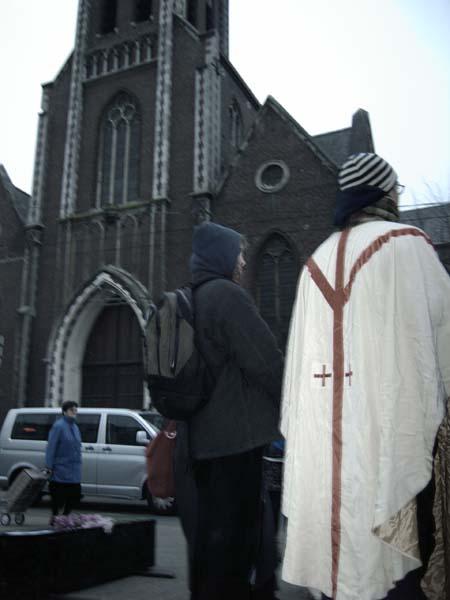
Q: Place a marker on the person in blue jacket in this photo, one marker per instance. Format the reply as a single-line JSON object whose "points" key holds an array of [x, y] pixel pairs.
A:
{"points": [[63, 460]]}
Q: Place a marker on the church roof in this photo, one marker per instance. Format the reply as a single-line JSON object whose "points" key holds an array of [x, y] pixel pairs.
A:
{"points": [[434, 220], [301, 133], [232, 71], [331, 148], [19, 199], [21, 203], [335, 143], [340, 144]]}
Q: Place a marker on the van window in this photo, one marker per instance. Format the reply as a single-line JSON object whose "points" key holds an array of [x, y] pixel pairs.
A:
{"points": [[88, 425], [121, 429], [154, 418], [33, 426]]}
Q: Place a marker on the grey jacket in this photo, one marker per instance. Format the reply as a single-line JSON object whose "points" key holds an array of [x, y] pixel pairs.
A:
{"points": [[241, 351]]}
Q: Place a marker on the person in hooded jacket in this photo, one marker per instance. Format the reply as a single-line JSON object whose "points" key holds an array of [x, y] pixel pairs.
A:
{"points": [[234, 553]]}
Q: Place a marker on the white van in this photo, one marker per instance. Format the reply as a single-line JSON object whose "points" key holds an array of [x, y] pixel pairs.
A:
{"points": [[113, 449]]}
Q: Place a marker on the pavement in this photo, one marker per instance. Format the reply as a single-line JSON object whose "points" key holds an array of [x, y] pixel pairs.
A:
{"points": [[169, 580]]}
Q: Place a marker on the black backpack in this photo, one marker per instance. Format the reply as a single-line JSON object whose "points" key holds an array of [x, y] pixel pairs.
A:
{"points": [[177, 376]]}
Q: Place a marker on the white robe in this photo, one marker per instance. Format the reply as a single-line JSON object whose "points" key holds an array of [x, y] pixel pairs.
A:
{"points": [[377, 433]]}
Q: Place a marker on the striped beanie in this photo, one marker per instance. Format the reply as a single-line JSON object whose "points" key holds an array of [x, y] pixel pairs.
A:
{"points": [[363, 180], [366, 169]]}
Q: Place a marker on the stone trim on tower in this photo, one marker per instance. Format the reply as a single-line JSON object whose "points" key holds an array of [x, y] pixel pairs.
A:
{"points": [[74, 115], [34, 214], [207, 140], [223, 26], [123, 56], [30, 273], [180, 8], [27, 309], [151, 247], [163, 101]]}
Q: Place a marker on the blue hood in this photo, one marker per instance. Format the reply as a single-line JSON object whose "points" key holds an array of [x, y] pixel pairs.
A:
{"points": [[215, 250]]}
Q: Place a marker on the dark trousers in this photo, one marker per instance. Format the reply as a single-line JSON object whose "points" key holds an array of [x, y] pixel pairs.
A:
{"points": [[275, 500], [64, 497], [229, 536]]}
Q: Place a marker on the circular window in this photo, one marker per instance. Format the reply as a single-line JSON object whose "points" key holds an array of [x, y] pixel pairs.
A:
{"points": [[272, 176]]}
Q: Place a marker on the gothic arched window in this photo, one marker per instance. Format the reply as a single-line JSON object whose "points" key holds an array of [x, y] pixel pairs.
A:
{"points": [[192, 12], [2, 345], [2, 337], [235, 120], [276, 279], [143, 10], [108, 16], [119, 152], [209, 15]]}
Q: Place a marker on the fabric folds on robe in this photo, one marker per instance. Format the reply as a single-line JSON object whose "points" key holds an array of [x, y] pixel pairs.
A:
{"points": [[436, 583]]}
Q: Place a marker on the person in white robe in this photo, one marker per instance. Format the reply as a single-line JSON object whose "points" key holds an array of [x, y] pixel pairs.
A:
{"points": [[366, 381]]}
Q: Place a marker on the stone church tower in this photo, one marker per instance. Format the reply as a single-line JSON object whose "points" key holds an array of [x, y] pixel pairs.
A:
{"points": [[133, 141], [147, 130]]}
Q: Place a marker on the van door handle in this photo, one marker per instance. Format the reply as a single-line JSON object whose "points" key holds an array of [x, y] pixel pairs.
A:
{"points": [[106, 449], [90, 448]]}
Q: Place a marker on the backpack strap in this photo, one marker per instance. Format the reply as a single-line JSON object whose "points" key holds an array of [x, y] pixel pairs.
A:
{"points": [[185, 303], [212, 378]]}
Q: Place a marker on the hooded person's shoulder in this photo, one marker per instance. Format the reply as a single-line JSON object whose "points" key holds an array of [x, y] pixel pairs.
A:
{"points": [[230, 298], [226, 294], [226, 286]]}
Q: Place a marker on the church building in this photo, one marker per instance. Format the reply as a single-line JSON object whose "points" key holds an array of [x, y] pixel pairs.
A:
{"points": [[147, 130]]}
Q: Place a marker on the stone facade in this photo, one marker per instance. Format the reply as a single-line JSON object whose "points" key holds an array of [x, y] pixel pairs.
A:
{"points": [[15, 312]]}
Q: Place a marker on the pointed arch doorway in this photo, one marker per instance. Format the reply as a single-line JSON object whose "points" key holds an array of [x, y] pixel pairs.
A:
{"points": [[112, 370], [97, 340]]}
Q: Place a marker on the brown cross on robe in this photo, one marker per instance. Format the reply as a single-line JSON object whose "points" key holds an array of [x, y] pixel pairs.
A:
{"points": [[322, 375], [349, 375]]}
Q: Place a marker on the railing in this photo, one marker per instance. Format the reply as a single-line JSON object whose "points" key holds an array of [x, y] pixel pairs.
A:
{"points": [[118, 58]]}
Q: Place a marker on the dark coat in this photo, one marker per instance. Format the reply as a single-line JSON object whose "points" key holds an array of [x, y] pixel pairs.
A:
{"points": [[238, 346]]}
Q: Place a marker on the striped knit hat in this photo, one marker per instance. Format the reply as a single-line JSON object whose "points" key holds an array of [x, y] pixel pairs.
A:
{"points": [[363, 180], [366, 169]]}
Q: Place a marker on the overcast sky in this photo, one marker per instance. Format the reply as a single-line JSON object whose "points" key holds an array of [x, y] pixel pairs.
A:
{"points": [[321, 59]]}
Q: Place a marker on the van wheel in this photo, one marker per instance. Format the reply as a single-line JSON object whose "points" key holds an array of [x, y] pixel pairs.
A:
{"points": [[19, 519], [5, 519], [161, 506]]}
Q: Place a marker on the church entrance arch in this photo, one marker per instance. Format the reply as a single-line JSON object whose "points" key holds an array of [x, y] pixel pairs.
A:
{"points": [[109, 309]]}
